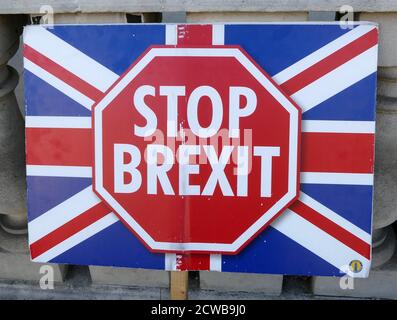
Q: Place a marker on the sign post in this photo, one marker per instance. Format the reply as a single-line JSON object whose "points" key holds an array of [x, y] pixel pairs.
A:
{"points": [[179, 285]]}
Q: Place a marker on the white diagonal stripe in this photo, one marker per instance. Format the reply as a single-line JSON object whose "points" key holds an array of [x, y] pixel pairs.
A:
{"points": [[322, 53], [78, 237], [334, 217], [363, 179], [58, 122], [336, 126], [59, 171], [337, 80], [58, 84], [319, 242], [62, 213], [69, 57]]}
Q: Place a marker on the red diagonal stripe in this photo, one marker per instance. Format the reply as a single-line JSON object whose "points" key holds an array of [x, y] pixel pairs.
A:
{"points": [[333, 229], [68, 229], [61, 73], [331, 62], [337, 152], [59, 146]]}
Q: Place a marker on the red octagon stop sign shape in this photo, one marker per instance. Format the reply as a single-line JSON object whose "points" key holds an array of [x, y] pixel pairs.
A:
{"points": [[196, 149]]}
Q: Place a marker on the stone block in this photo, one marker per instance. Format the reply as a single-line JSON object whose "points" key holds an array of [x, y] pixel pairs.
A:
{"points": [[129, 277], [387, 82], [212, 17], [15, 263], [16, 62], [88, 18], [18, 266], [12, 138], [152, 17], [383, 246], [387, 32], [381, 283], [244, 282], [385, 200]]}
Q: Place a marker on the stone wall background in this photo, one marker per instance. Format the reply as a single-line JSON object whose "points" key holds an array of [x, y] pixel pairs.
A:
{"points": [[88, 282]]}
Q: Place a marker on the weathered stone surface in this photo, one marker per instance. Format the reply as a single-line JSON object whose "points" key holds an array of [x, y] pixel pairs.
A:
{"points": [[383, 246], [12, 139], [16, 62], [65, 291], [15, 243], [245, 16], [90, 18], [387, 34], [151, 17], [174, 17], [228, 281], [321, 16], [382, 283], [33, 6], [129, 277], [15, 263], [385, 200], [17, 266], [10, 29], [387, 82]]}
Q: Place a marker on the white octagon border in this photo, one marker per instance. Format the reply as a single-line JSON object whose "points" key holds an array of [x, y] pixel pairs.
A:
{"points": [[266, 83]]}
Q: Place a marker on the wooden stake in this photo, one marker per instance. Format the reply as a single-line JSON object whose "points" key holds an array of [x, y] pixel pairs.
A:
{"points": [[179, 285]]}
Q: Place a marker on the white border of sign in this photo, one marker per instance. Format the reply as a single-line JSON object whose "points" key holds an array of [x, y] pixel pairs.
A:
{"points": [[261, 78]]}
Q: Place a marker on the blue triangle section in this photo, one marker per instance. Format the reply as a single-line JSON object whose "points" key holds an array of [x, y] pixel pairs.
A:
{"points": [[44, 193], [272, 252], [357, 102], [42, 99], [113, 246], [114, 46], [277, 46], [354, 203]]}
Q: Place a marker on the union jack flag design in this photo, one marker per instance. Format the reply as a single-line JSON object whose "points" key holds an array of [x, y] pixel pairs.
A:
{"points": [[329, 71]]}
